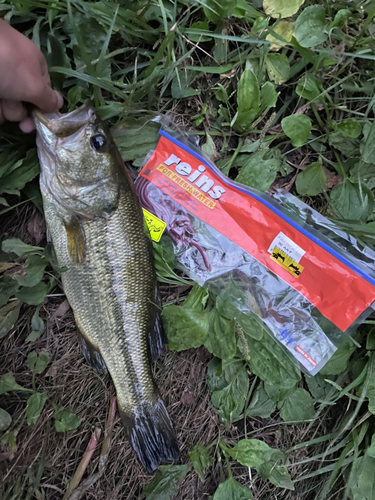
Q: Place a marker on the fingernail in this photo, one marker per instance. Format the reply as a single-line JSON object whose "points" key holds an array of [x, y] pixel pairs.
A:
{"points": [[27, 125]]}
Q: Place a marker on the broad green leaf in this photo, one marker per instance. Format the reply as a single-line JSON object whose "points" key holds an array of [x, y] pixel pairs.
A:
{"points": [[371, 449], [197, 299], [15, 245], [57, 57], [136, 138], [362, 484], [8, 383], [248, 99], [278, 68], [297, 128], [8, 287], [221, 339], [185, 327], [65, 420], [33, 295], [37, 326], [346, 145], [229, 387], [340, 18], [24, 173], [180, 85], [353, 201], [318, 386], [8, 317], [339, 360], [165, 263], [285, 29], [268, 96], [349, 128], [281, 8], [34, 407], [270, 363], [299, 406], [310, 88], [37, 363], [246, 321], [166, 482], [370, 340], [312, 180], [277, 473], [250, 452], [260, 24], [87, 42], [74, 96], [260, 405], [34, 267], [363, 172], [200, 459], [199, 26], [370, 394], [310, 27], [367, 147], [5, 420], [209, 147], [214, 10], [258, 172], [278, 394], [232, 490]]}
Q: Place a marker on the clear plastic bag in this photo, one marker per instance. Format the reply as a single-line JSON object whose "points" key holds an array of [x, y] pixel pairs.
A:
{"points": [[271, 257]]}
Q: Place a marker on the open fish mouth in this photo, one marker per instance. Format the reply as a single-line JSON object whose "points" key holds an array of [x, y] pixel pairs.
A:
{"points": [[64, 124]]}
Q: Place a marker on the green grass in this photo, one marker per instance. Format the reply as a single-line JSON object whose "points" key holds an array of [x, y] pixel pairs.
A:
{"points": [[294, 93]]}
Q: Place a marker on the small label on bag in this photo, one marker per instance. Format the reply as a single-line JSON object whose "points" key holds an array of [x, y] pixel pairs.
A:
{"points": [[288, 247], [286, 262], [155, 225]]}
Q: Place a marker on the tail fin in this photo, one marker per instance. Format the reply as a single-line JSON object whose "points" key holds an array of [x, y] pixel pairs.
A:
{"points": [[151, 434]]}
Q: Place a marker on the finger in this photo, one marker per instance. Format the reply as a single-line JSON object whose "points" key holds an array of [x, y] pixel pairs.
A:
{"points": [[47, 100], [27, 125], [2, 119], [13, 111]]}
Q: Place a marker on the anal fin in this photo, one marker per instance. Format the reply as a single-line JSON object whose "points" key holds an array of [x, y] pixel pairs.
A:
{"points": [[91, 354], [156, 338], [156, 335]]}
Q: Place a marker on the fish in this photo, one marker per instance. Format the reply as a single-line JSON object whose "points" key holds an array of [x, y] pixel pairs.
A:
{"points": [[96, 226]]}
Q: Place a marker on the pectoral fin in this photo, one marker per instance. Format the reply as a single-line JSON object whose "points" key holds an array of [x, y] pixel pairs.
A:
{"points": [[75, 240]]}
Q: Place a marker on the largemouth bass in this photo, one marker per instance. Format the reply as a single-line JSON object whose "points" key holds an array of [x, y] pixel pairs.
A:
{"points": [[96, 226]]}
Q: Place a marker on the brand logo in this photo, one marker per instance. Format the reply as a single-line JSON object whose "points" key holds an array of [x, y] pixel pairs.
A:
{"points": [[285, 335], [203, 182]]}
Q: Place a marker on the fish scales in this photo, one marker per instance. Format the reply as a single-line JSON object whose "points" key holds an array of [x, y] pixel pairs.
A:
{"points": [[109, 278], [110, 294]]}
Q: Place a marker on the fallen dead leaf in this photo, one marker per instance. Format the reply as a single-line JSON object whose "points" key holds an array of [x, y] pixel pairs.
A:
{"points": [[36, 226], [61, 310]]}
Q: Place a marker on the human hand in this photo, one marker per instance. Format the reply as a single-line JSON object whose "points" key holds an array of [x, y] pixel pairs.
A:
{"points": [[23, 78]]}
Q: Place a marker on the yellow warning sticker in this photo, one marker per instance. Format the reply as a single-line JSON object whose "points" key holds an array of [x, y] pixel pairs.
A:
{"points": [[155, 225], [286, 262]]}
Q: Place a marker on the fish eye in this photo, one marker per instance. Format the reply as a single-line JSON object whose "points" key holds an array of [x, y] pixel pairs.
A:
{"points": [[97, 142]]}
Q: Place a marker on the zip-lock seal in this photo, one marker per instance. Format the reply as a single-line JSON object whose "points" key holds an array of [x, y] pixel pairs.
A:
{"points": [[260, 253]]}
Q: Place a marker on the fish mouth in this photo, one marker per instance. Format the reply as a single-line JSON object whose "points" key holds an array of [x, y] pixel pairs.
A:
{"points": [[63, 124]]}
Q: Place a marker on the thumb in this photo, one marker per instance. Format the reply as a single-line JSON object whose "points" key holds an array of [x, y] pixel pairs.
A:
{"points": [[48, 100]]}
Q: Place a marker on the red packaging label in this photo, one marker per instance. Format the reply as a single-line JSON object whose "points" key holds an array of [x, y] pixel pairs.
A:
{"points": [[335, 289]]}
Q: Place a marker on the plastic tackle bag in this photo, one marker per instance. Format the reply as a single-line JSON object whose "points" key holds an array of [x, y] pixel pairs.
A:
{"points": [[271, 257]]}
